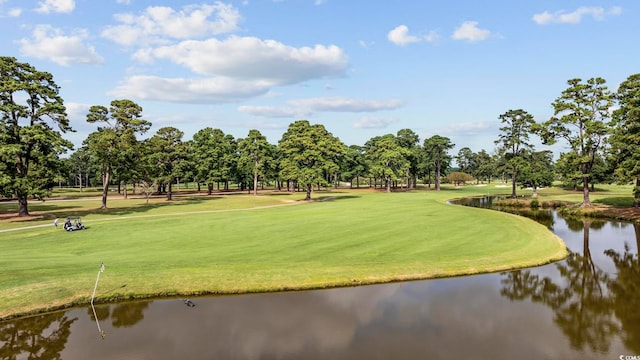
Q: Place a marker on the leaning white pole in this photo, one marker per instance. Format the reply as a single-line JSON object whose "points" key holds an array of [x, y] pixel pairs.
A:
{"points": [[102, 333], [97, 279]]}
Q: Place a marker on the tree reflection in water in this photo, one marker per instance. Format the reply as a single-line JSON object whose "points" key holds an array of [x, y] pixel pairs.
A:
{"points": [[45, 336], [625, 293], [590, 307], [39, 337]]}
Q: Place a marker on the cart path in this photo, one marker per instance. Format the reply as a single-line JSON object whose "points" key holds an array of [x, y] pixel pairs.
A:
{"points": [[172, 214]]}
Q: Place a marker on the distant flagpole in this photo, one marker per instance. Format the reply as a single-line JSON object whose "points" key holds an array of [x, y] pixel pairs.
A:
{"points": [[102, 333]]}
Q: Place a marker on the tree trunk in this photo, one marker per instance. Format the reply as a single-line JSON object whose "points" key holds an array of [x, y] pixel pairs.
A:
{"points": [[308, 195], [437, 176], [636, 194], [170, 192], [255, 180], [23, 209], [513, 184], [388, 183], [585, 192], [105, 189], [125, 190]]}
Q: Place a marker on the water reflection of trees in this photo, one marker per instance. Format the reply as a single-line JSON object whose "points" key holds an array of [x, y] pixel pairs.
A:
{"points": [[39, 337], [122, 315], [625, 293], [589, 306]]}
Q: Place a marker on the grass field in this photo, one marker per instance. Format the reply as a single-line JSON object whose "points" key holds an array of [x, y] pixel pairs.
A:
{"points": [[241, 243]]}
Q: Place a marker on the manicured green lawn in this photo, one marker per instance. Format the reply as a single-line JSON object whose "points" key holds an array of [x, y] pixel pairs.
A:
{"points": [[239, 243]]}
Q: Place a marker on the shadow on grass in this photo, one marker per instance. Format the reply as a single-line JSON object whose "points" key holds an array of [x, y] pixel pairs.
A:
{"points": [[335, 198], [41, 212], [619, 201]]}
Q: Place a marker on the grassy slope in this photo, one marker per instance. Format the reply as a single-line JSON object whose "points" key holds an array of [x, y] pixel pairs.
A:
{"points": [[352, 238]]}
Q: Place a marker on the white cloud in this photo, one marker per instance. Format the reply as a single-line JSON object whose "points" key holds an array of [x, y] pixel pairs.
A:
{"points": [[158, 24], [53, 44], [469, 31], [197, 91], [125, 2], [15, 12], [468, 128], [306, 107], [373, 123], [400, 36], [273, 112], [57, 6], [575, 17], [250, 58], [346, 105]]}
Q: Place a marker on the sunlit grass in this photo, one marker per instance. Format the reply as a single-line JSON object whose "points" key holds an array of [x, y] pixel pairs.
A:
{"points": [[238, 243]]}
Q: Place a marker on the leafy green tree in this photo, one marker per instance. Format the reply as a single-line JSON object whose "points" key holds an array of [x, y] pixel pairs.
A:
{"points": [[459, 178], [354, 164], [409, 140], [466, 160], [436, 149], [485, 166], [254, 155], [514, 142], [114, 144], [387, 159], [537, 170], [309, 151], [79, 164], [29, 144], [580, 118], [166, 151], [625, 137], [216, 156]]}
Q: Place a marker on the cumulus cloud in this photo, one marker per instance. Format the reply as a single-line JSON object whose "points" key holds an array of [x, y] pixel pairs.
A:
{"points": [[228, 69], [373, 123], [250, 58], [469, 31], [53, 44], [160, 24], [56, 6], [575, 17], [197, 91], [400, 36]]}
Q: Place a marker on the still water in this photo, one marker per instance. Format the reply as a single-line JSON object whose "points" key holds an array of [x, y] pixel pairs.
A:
{"points": [[584, 307]]}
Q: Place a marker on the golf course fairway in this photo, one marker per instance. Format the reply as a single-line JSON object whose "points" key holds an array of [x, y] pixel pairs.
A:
{"points": [[240, 244]]}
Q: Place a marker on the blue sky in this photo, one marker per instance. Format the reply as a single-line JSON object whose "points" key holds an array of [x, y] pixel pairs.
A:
{"points": [[362, 68]]}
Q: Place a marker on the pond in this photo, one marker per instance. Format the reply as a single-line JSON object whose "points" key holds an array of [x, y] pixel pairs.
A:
{"points": [[584, 307]]}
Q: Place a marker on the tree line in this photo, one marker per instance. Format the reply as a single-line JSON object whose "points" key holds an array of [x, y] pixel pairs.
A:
{"points": [[600, 127]]}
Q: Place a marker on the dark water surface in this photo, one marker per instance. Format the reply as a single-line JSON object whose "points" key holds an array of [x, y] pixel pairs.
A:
{"points": [[584, 307]]}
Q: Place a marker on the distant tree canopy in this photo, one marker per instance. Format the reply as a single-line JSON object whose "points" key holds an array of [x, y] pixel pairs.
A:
{"points": [[601, 130], [459, 178]]}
